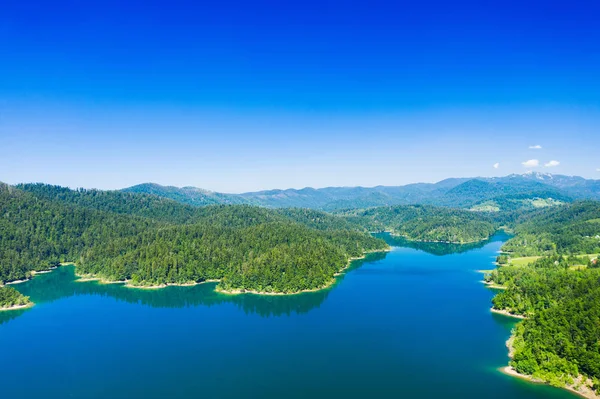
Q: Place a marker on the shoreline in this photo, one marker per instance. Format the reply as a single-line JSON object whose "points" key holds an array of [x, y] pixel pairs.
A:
{"points": [[581, 384], [17, 307], [244, 291], [327, 285], [126, 283], [84, 278], [491, 284], [494, 286], [507, 313], [33, 274], [101, 280], [17, 281], [580, 387], [156, 287], [437, 241], [31, 303]]}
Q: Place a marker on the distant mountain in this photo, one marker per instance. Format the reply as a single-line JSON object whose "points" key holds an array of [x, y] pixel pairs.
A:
{"points": [[496, 193], [528, 190], [334, 198], [331, 198], [576, 186], [477, 191], [186, 195]]}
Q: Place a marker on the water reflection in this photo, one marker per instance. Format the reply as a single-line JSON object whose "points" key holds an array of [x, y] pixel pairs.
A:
{"points": [[62, 283], [6, 316], [439, 248]]}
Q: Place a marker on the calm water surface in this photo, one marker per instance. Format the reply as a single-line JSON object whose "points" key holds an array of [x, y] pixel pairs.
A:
{"points": [[412, 323]]}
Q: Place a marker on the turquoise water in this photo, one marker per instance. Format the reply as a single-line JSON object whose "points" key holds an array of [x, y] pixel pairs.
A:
{"points": [[406, 324]]}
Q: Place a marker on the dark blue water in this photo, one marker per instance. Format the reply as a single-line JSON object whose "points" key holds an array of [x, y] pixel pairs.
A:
{"points": [[406, 324]]}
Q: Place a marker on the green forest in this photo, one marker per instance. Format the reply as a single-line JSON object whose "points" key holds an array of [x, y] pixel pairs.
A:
{"points": [[560, 338], [270, 257], [151, 241], [426, 223], [9, 297], [559, 293], [567, 229]]}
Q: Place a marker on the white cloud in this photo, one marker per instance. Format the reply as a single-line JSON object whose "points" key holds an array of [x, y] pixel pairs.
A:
{"points": [[535, 147], [496, 165], [598, 170], [532, 163], [551, 164]]}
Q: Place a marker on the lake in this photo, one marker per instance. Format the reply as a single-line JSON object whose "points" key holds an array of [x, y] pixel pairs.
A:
{"points": [[410, 323]]}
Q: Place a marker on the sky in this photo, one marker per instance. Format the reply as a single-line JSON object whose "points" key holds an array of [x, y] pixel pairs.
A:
{"points": [[238, 96]]}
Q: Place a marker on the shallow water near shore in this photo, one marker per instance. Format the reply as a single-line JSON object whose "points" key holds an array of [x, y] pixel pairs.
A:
{"points": [[411, 323]]}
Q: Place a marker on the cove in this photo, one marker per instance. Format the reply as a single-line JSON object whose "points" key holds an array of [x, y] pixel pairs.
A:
{"points": [[410, 323]]}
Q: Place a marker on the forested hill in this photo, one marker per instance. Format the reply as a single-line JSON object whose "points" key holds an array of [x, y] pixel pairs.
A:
{"points": [[171, 211], [512, 192], [118, 202], [559, 341], [36, 234], [187, 195], [559, 293], [425, 223], [518, 189], [266, 257], [149, 240], [567, 229]]}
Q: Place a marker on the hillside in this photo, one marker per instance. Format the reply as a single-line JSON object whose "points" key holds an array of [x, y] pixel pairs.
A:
{"points": [[152, 241], [116, 202], [477, 190], [567, 229], [550, 275], [555, 297], [186, 195], [425, 223], [524, 201], [36, 234]]}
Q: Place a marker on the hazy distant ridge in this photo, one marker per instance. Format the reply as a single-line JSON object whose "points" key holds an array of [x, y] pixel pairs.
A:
{"points": [[454, 192]]}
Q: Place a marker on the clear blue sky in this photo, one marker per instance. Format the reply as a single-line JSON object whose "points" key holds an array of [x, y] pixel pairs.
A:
{"points": [[237, 96]]}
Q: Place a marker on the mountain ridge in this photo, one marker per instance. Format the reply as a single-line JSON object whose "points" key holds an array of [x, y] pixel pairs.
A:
{"points": [[453, 192]]}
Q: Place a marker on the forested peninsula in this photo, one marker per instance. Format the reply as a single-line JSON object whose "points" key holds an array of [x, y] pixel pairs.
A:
{"points": [[556, 287], [151, 241], [12, 299]]}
